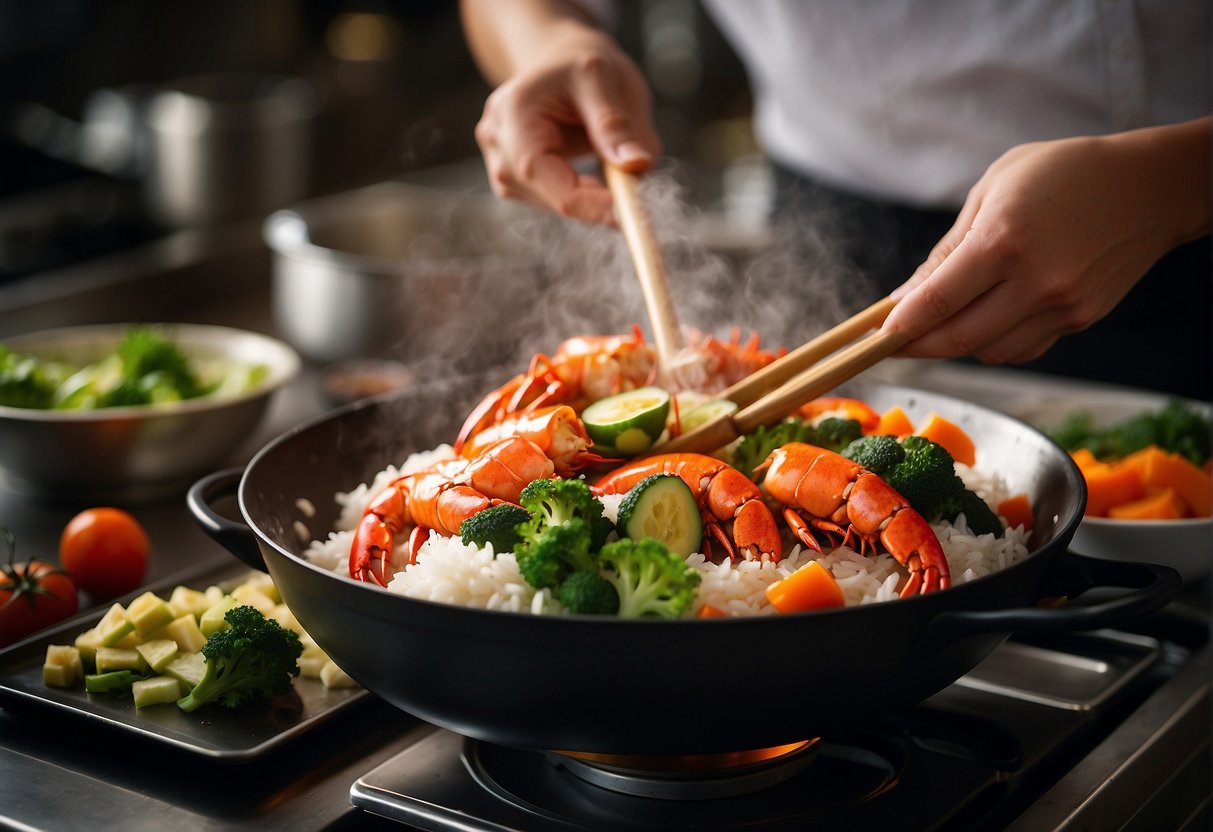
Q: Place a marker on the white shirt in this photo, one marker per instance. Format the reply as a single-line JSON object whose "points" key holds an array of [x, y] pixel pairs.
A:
{"points": [[911, 100]]}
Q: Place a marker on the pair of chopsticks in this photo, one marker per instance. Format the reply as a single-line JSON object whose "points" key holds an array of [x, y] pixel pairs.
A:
{"points": [[772, 393]]}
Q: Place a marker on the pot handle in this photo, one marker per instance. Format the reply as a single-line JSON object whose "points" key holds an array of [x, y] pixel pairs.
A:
{"points": [[1154, 587], [233, 535]]}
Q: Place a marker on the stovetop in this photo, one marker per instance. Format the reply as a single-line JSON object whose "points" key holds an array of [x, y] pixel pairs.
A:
{"points": [[973, 756]]}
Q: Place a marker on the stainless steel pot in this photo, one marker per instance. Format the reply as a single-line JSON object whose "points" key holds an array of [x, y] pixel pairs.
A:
{"points": [[403, 271]]}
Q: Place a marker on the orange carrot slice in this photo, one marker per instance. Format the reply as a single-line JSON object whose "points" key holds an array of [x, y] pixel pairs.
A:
{"points": [[1017, 511], [1083, 458], [1161, 469], [894, 422], [810, 587], [708, 611], [1110, 485], [952, 436], [1161, 505]]}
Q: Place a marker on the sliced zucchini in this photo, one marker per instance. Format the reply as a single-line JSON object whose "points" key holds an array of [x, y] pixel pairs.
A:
{"points": [[664, 508], [630, 422], [706, 412]]}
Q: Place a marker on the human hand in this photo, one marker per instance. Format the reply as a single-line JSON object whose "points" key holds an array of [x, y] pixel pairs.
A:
{"points": [[582, 95], [1050, 239]]}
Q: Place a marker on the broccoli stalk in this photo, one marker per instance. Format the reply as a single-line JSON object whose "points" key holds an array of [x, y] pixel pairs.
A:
{"points": [[649, 579], [924, 473], [254, 657]]}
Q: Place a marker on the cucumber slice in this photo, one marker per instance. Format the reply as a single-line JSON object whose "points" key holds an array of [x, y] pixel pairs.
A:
{"points": [[706, 412], [630, 422], [662, 507]]}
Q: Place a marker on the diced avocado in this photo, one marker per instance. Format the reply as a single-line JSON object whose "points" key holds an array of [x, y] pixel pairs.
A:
{"points": [[187, 668], [332, 676], [156, 690], [158, 653], [662, 507], [148, 613], [115, 681], [253, 597], [187, 601], [62, 667], [119, 658], [184, 630], [212, 621]]}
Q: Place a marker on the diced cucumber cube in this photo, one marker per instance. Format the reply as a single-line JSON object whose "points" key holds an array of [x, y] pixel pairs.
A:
{"points": [[87, 644], [331, 676], [283, 615], [62, 667], [262, 582], [310, 666], [187, 601], [156, 690], [212, 621], [184, 630], [187, 668], [119, 658], [253, 597], [158, 653], [148, 612], [114, 628]]}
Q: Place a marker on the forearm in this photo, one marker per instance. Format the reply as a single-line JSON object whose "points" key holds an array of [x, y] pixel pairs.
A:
{"points": [[1172, 175], [504, 35]]}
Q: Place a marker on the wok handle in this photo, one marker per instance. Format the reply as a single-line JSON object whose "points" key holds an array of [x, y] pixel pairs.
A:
{"points": [[233, 535], [1153, 587]]}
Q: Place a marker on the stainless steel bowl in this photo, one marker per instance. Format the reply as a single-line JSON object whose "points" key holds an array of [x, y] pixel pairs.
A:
{"points": [[134, 454], [401, 271]]}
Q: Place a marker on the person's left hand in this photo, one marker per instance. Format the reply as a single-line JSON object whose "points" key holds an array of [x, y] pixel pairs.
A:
{"points": [[1050, 239]]}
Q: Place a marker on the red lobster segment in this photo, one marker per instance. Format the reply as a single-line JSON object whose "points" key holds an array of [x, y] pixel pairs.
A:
{"points": [[825, 492], [735, 518]]}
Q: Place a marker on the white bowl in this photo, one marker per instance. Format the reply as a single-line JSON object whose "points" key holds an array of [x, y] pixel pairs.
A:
{"points": [[140, 453], [1185, 545]]}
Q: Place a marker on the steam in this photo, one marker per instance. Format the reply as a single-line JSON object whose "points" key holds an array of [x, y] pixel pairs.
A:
{"points": [[480, 298]]}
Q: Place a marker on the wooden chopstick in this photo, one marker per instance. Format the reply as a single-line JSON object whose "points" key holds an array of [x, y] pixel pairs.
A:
{"points": [[777, 404], [647, 260], [770, 377]]}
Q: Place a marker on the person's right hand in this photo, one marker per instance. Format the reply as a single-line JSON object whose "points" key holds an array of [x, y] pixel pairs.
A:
{"points": [[582, 95]]}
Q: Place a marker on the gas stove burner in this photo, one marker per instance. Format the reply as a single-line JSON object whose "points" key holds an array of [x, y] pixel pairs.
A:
{"points": [[689, 777]]}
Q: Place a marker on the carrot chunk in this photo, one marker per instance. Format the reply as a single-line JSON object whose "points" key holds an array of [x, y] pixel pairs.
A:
{"points": [[1084, 459], [860, 411], [708, 611], [1110, 485], [952, 436], [810, 587], [1161, 505], [894, 422], [1161, 469], [1017, 511]]}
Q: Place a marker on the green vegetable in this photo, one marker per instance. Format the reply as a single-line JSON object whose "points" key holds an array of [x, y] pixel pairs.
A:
{"points": [[831, 433], [254, 657], [628, 422], [549, 557], [588, 593], [926, 477], [27, 382], [1177, 428], [649, 578], [552, 502], [661, 506], [494, 526], [113, 681], [706, 412]]}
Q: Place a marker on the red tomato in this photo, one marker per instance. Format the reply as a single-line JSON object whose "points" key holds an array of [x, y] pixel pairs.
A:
{"points": [[32, 596], [105, 550]]}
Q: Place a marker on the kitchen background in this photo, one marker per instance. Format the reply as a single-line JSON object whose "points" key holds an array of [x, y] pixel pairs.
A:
{"points": [[394, 90]]}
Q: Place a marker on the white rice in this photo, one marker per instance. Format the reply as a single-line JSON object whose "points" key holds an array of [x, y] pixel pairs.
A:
{"points": [[449, 572]]}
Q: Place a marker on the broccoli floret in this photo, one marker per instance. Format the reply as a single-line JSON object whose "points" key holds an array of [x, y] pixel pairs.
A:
{"points": [[879, 453], [157, 366], [1177, 428], [588, 593], [549, 557], [649, 578], [253, 657], [24, 381], [494, 525], [834, 433], [551, 502], [924, 473]]}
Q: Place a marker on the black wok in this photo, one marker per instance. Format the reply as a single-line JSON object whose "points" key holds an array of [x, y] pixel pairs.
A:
{"points": [[656, 686]]}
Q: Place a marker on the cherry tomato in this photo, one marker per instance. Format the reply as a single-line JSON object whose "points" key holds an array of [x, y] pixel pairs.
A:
{"points": [[33, 595], [105, 550]]}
